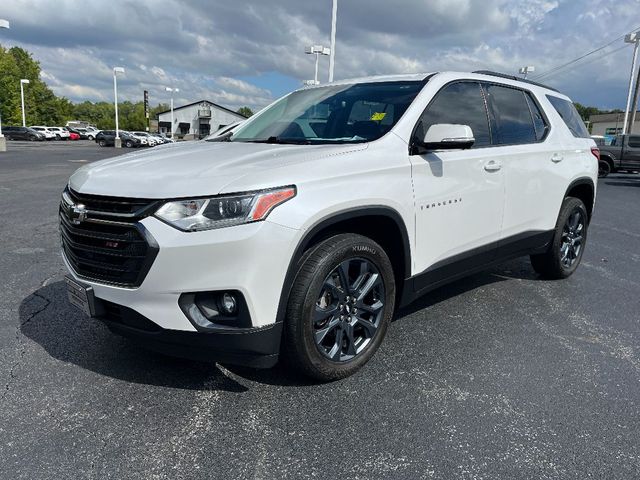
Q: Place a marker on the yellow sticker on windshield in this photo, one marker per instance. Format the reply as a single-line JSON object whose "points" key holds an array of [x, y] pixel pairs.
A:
{"points": [[378, 116]]}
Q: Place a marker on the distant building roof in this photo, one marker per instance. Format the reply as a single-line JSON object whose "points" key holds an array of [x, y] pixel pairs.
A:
{"points": [[203, 101], [608, 117]]}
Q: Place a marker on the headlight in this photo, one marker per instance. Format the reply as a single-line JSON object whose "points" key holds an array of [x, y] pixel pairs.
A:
{"points": [[197, 214]]}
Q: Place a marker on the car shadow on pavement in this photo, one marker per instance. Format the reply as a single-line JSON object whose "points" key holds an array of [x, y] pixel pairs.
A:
{"points": [[67, 335], [624, 182]]}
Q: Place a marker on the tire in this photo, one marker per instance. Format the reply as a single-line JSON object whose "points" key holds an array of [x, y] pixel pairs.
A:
{"points": [[32, 139], [90, 137], [329, 333], [604, 168], [128, 144], [102, 142], [57, 139], [570, 237]]}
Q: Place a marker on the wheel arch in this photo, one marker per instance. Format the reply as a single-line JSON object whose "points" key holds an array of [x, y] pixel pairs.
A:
{"points": [[389, 226], [607, 157], [584, 189]]}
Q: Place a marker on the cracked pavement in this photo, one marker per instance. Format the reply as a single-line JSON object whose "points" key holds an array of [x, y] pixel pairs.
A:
{"points": [[501, 375]]}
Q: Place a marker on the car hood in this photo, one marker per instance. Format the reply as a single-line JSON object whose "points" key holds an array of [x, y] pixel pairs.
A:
{"points": [[192, 169]]}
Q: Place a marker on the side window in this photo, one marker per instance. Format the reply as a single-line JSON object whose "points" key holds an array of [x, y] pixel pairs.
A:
{"points": [[539, 122], [570, 116], [514, 123], [634, 141], [459, 103]]}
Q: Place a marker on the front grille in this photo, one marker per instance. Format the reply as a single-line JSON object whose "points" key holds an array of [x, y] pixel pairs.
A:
{"points": [[107, 244]]}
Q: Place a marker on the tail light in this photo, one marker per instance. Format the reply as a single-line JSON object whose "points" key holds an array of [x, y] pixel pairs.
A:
{"points": [[596, 152]]}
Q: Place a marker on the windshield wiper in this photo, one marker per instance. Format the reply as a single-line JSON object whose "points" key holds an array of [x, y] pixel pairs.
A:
{"points": [[282, 141]]}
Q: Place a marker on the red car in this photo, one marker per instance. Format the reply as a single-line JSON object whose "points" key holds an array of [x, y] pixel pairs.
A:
{"points": [[74, 136]]}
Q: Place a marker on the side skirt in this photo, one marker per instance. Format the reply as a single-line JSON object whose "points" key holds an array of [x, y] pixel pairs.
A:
{"points": [[474, 261]]}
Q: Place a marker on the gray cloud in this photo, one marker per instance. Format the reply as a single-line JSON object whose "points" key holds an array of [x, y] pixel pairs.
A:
{"points": [[203, 46]]}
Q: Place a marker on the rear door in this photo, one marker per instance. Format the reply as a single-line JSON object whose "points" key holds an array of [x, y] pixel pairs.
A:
{"points": [[631, 155], [533, 168]]}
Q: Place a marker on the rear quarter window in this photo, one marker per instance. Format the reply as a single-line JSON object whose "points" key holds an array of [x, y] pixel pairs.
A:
{"points": [[570, 115]]}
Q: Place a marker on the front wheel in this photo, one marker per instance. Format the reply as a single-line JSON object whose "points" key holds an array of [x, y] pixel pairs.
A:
{"points": [[340, 306], [102, 143], [567, 246]]}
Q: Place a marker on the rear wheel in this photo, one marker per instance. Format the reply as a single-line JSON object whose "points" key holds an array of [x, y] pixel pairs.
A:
{"points": [[90, 137], [102, 143], [567, 247], [604, 168], [340, 307]]}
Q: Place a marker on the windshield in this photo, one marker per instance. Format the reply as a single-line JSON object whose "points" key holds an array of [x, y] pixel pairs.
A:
{"points": [[334, 114]]}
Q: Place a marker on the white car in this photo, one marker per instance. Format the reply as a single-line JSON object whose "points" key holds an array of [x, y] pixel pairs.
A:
{"points": [[59, 133], [151, 140], [48, 134], [144, 140], [304, 232]]}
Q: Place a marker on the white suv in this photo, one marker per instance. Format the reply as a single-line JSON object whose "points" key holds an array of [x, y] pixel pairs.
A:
{"points": [[303, 232]]}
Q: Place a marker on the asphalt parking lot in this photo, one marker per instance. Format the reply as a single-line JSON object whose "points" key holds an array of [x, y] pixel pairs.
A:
{"points": [[501, 375]]}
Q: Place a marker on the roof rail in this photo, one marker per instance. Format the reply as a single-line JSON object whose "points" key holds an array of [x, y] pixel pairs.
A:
{"points": [[513, 77]]}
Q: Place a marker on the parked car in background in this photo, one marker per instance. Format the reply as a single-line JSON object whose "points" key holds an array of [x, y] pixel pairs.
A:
{"points": [[59, 132], [48, 134], [300, 240], [92, 132], [145, 138], [22, 133], [107, 138], [73, 136], [622, 154]]}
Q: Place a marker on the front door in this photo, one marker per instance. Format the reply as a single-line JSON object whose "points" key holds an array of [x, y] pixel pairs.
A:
{"points": [[459, 194]]}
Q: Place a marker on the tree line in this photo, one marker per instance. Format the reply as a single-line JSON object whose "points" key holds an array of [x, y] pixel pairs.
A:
{"points": [[43, 107]]}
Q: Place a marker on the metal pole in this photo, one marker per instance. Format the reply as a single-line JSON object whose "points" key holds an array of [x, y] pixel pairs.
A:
{"points": [[172, 115], [24, 121], [115, 96], [317, 60], [634, 104], [633, 69], [332, 55]]}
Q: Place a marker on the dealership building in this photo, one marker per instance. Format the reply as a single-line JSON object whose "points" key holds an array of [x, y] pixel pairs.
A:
{"points": [[197, 119], [610, 124]]}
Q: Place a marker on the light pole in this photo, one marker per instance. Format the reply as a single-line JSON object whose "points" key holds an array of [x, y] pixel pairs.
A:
{"points": [[524, 71], [317, 50], [3, 142], [635, 39], [169, 89], [332, 57], [23, 82], [116, 71]]}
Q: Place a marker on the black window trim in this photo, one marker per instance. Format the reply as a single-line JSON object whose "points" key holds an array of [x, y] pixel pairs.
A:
{"points": [[489, 112], [525, 91], [459, 80]]}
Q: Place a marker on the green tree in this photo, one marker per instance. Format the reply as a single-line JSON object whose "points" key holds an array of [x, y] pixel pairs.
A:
{"points": [[246, 111]]}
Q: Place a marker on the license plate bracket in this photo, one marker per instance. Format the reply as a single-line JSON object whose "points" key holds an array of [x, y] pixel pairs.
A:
{"points": [[81, 296]]}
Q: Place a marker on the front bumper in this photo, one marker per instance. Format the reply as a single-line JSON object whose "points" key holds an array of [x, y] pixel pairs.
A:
{"points": [[252, 259], [251, 347]]}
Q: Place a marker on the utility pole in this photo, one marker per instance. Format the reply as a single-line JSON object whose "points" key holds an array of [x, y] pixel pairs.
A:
{"points": [[332, 55], [635, 39], [634, 105]]}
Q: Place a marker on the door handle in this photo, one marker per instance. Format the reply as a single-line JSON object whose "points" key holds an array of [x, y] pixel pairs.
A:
{"points": [[557, 158], [492, 166]]}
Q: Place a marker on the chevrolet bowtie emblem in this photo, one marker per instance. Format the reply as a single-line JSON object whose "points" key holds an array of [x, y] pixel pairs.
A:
{"points": [[77, 214]]}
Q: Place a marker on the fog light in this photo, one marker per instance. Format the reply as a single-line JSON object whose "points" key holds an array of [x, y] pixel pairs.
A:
{"points": [[229, 303]]}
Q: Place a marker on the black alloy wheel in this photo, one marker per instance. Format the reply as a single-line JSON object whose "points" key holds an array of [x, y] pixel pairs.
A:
{"points": [[349, 309], [339, 308]]}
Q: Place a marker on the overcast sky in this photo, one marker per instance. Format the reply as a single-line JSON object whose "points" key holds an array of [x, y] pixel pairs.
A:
{"points": [[247, 52]]}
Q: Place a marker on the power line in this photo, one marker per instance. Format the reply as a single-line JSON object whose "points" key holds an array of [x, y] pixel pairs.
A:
{"points": [[538, 77], [605, 54]]}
